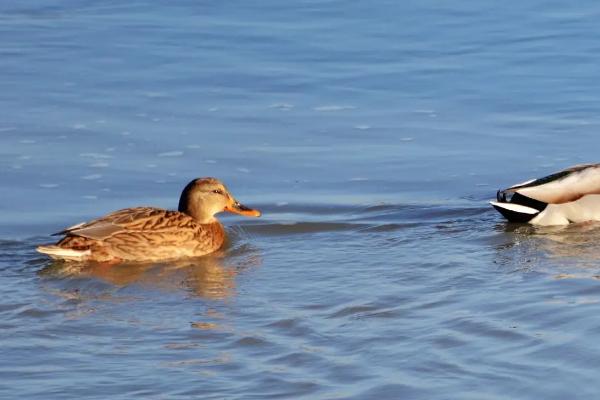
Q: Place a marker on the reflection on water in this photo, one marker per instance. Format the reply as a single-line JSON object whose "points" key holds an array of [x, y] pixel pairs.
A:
{"points": [[209, 277], [555, 249], [395, 119], [478, 294]]}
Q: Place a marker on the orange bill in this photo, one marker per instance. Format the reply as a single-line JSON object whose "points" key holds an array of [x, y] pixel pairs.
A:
{"points": [[241, 209]]}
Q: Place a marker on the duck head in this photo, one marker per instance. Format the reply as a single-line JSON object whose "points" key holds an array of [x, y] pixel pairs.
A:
{"points": [[202, 198]]}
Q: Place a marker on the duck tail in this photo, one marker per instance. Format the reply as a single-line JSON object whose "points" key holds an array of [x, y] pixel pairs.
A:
{"points": [[61, 253], [516, 207]]}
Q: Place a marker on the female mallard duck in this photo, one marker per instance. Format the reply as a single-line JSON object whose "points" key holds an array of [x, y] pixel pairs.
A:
{"points": [[571, 195], [153, 234]]}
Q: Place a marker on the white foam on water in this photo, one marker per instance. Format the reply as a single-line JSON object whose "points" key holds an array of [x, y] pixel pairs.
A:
{"points": [[96, 156], [428, 112], [244, 170], [91, 177], [330, 108], [282, 106], [362, 127], [155, 95], [27, 141], [49, 185], [176, 153]]}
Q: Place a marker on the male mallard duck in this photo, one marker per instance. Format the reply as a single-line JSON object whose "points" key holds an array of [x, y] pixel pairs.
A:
{"points": [[153, 234], [571, 195]]}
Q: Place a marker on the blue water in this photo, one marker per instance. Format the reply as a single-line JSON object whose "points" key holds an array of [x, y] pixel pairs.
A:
{"points": [[370, 134]]}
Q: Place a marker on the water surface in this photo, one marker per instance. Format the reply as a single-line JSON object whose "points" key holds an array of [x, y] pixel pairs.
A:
{"points": [[371, 136]]}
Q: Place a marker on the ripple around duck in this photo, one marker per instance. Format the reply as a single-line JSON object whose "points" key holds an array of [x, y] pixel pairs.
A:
{"points": [[302, 219], [306, 219], [251, 341], [345, 317], [353, 311], [292, 327], [395, 391], [276, 229]]}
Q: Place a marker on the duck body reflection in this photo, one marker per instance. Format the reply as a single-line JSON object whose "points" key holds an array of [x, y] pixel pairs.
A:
{"points": [[211, 276], [558, 250]]}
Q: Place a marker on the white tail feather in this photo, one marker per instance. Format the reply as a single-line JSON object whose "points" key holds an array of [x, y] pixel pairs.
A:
{"points": [[515, 207], [57, 252]]}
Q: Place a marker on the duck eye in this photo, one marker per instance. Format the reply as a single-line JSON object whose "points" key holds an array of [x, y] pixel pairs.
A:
{"points": [[218, 191]]}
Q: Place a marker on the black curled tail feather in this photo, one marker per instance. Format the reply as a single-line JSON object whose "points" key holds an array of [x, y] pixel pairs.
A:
{"points": [[511, 197], [518, 198]]}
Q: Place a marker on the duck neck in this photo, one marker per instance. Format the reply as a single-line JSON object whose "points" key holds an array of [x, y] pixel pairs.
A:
{"points": [[197, 213]]}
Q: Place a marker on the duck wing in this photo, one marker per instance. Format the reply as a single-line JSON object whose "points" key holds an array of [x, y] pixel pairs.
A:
{"points": [[130, 220], [561, 187]]}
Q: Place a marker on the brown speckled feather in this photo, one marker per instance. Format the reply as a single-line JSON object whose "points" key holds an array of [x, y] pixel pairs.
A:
{"points": [[144, 234], [153, 234]]}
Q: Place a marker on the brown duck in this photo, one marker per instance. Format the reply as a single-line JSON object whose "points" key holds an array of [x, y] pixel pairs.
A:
{"points": [[153, 234]]}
